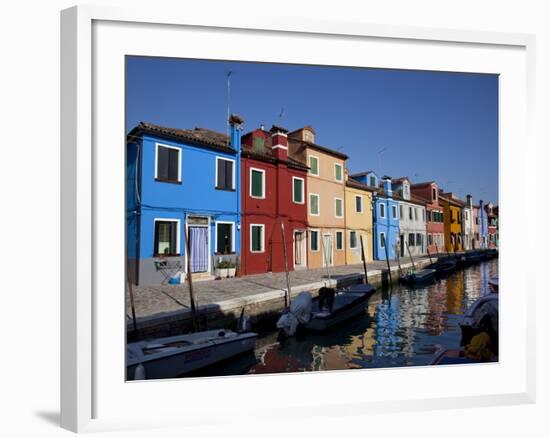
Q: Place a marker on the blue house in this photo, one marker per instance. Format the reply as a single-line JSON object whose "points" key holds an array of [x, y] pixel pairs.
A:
{"points": [[182, 182], [385, 214]]}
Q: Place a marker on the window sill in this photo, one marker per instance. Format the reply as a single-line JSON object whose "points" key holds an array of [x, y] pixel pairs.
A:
{"points": [[163, 256], [224, 189], [167, 181], [224, 254]]}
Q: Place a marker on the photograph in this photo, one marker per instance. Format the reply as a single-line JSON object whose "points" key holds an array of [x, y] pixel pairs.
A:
{"points": [[292, 218]]}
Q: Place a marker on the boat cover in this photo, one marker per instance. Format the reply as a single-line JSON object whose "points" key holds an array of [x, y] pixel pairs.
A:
{"points": [[299, 312]]}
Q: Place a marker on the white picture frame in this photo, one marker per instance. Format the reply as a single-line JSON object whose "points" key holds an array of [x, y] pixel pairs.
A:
{"points": [[93, 397]]}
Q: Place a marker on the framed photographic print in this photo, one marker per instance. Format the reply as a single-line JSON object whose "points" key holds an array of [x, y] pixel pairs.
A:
{"points": [[257, 207]]}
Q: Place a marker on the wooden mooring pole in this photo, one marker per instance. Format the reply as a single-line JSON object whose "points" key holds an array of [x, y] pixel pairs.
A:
{"points": [[190, 280], [387, 256], [287, 295], [364, 261]]}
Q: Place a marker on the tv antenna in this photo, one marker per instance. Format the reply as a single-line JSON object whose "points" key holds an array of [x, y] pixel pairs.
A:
{"points": [[228, 74]]}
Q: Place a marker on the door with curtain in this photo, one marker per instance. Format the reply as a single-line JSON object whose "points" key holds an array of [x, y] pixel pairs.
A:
{"points": [[199, 254]]}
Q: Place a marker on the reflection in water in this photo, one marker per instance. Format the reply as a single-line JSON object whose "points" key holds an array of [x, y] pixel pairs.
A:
{"points": [[402, 327]]}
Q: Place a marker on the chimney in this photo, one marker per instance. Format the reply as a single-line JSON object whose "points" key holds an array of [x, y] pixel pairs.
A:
{"points": [[469, 201], [386, 183], [236, 128], [279, 142]]}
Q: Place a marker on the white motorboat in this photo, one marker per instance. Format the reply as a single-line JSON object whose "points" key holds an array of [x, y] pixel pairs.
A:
{"points": [[177, 355]]}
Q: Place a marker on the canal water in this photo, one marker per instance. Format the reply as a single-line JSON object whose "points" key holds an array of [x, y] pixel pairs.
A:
{"points": [[402, 327]]}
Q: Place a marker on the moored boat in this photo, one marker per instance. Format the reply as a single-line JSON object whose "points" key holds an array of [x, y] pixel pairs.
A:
{"points": [[481, 317], [177, 355], [493, 284], [443, 267], [415, 278]]}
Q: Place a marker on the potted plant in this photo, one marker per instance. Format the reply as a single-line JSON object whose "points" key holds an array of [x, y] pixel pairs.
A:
{"points": [[221, 269], [231, 268]]}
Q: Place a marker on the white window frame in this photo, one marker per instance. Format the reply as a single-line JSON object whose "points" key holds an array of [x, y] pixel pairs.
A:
{"points": [[341, 166], [263, 238], [382, 210], [318, 204], [318, 231], [180, 153], [232, 235], [356, 239], [178, 235], [303, 190], [309, 157], [336, 241], [362, 198], [335, 212], [262, 171], [216, 172], [394, 212]]}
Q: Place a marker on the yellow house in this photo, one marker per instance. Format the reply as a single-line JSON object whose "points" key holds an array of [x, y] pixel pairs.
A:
{"points": [[452, 218], [325, 198], [358, 200]]}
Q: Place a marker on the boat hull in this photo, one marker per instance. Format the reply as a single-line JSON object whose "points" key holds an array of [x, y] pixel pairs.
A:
{"points": [[361, 293], [425, 276], [192, 359]]}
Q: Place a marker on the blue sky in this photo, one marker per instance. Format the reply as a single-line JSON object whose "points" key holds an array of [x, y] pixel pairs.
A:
{"points": [[429, 125]]}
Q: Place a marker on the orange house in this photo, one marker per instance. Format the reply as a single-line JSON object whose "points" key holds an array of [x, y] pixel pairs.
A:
{"points": [[452, 218], [325, 198]]}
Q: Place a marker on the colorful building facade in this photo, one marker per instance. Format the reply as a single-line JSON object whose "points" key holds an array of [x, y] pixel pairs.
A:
{"points": [[273, 191], [452, 215], [476, 240], [358, 202], [325, 198], [468, 224], [182, 182], [492, 225], [483, 226], [385, 215], [435, 228], [412, 219]]}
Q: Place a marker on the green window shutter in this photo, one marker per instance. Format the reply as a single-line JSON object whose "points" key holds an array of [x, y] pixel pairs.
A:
{"points": [[314, 165], [338, 172], [297, 191], [256, 238], [314, 204], [338, 207], [257, 184]]}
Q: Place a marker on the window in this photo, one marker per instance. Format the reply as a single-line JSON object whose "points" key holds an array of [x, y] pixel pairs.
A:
{"points": [[405, 190], [297, 190], [372, 181], [382, 210], [314, 240], [352, 239], [313, 165], [466, 215], [411, 239], [416, 214], [410, 213], [166, 237], [401, 211], [429, 215], [338, 208], [430, 239], [418, 239], [338, 172], [224, 238], [339, 240], [358, 204], [434, 194], [424, 215], [394, 211], [168, 164], [225, 174], [258, 145], [256, 238], [382, 240], [257, 183], [314, 204]]}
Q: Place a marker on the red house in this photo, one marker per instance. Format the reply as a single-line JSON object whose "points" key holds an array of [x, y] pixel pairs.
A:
{"points": [[435, 228], [273, 193]]}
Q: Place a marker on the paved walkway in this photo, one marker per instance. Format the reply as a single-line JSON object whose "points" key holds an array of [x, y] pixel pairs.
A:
{"points": [[152, 300]]}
